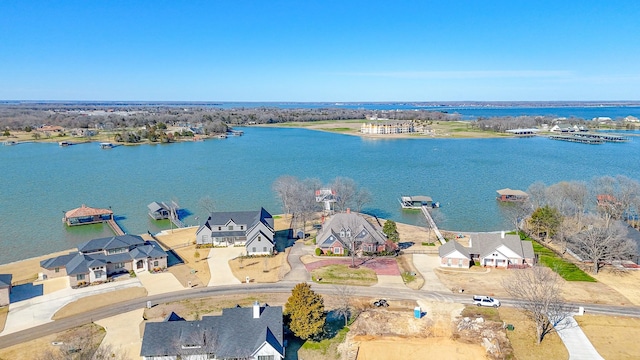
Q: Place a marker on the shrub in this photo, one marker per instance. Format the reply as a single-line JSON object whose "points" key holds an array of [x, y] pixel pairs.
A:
{"points": [[318, 252], [132, 273]]}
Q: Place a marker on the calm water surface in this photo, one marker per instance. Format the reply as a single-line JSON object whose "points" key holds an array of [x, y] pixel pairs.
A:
{"points": [[41, 181]]}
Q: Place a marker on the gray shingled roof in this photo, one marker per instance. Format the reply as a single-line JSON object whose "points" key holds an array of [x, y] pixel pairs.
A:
{"points": [[450, 246], [233, 334], [5, 280], [113, 242], [485, 243], [366, 232], [79, 263], [58, 261], [247, 218]]}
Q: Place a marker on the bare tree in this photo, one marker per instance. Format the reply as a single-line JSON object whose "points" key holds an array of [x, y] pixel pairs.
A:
{"points": [[617, 196], [362, 197], [569, 197], [602, 241], [344, 296], [516, 212], [538, 292], [345, 189], [285, 188], [537, 194]]}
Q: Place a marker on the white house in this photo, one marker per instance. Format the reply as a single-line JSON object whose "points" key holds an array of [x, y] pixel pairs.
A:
{"points": [[252, 229]]}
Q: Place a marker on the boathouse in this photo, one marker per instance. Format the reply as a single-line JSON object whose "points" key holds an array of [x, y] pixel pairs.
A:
{"points": [[159, 211], [5, 289], [512, 195], [87, 215], [416, 202]]}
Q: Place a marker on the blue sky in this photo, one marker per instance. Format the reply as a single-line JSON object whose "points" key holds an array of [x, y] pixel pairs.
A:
{"points": [[320, 50]]}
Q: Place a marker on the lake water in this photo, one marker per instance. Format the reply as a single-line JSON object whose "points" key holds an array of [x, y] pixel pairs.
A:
{"points": [[40, 181]]}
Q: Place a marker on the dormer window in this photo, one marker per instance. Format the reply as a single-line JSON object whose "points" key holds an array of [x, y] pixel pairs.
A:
{"points": [[349, 233], [342, 233], [230, 227]]}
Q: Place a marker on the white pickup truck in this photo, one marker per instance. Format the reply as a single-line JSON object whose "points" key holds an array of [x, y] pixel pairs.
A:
{"points": [[485, 301]]}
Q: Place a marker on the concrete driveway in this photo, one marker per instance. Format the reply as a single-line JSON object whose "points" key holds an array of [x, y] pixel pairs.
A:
{"points": [[39, 310], [426, 264], [219, 265], [159, 283], [576, 341], [123, 333], [298, 271]]}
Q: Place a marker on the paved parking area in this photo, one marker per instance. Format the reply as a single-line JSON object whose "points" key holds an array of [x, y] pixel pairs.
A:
{"points": [[159, 283], [425, 264], [39, 310], [219, 265], [123, 333]]}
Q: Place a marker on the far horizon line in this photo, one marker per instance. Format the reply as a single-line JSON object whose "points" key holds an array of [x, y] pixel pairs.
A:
{"points": [[335, 103]]}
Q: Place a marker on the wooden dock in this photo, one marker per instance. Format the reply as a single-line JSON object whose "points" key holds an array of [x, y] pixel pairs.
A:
{"points": [[432, 224], [115, 227]]}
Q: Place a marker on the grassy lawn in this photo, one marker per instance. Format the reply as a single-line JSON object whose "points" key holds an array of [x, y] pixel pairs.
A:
{"points": [[487, 313], [343, 274], [565, 269], [338, 129], [523, 338], [326, 348]]}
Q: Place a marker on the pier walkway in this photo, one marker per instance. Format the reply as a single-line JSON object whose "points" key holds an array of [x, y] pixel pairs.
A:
{"points": [[432, 224], [115, 227]]}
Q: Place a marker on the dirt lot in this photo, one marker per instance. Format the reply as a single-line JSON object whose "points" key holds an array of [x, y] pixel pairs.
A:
{"points": [[181, 241], [523, 342], [393, 334], [261, 269], [624, 282], [37, 348]]}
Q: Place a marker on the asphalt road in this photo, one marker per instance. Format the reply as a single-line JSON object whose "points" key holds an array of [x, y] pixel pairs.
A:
{"points": [[280, 287]]}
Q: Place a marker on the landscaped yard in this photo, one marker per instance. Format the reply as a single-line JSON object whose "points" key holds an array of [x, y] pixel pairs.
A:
{"points": [[345, 275], [564, 268]]}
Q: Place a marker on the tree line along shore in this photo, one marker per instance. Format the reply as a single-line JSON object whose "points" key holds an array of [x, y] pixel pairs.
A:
{"points": [[153, 124]]}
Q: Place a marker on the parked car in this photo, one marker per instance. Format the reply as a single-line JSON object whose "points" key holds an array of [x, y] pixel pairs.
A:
{"points": [[485, 301]]}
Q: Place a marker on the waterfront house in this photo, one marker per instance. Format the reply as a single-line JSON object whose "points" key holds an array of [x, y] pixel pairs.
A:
{"points": [[342, 229], [488, 249], [509, 195], [252, 333], [252, 229], [453, 254], [87, 215], [501, 250], [98, 259], [5, 289]]}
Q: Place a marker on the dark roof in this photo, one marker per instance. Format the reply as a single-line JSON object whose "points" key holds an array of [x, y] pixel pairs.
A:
{"points": [[58, 261], [5, 280], [366, 232], [173, 317], [233, 334], [79, 263], [113, 242], [247, 218]]}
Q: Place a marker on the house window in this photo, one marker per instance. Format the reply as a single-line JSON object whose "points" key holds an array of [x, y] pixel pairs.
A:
{"points": [[57, 270], [80, 277], [264, 249], [241, 227], [266, 357], [253, 249], [219, 228], [230, 227], [155, 263], [259, 238], [337, 250], [119, 265]]}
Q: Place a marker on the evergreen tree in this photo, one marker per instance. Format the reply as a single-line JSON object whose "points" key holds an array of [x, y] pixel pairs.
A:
{"points": [[305, 312], [391, 230]]}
